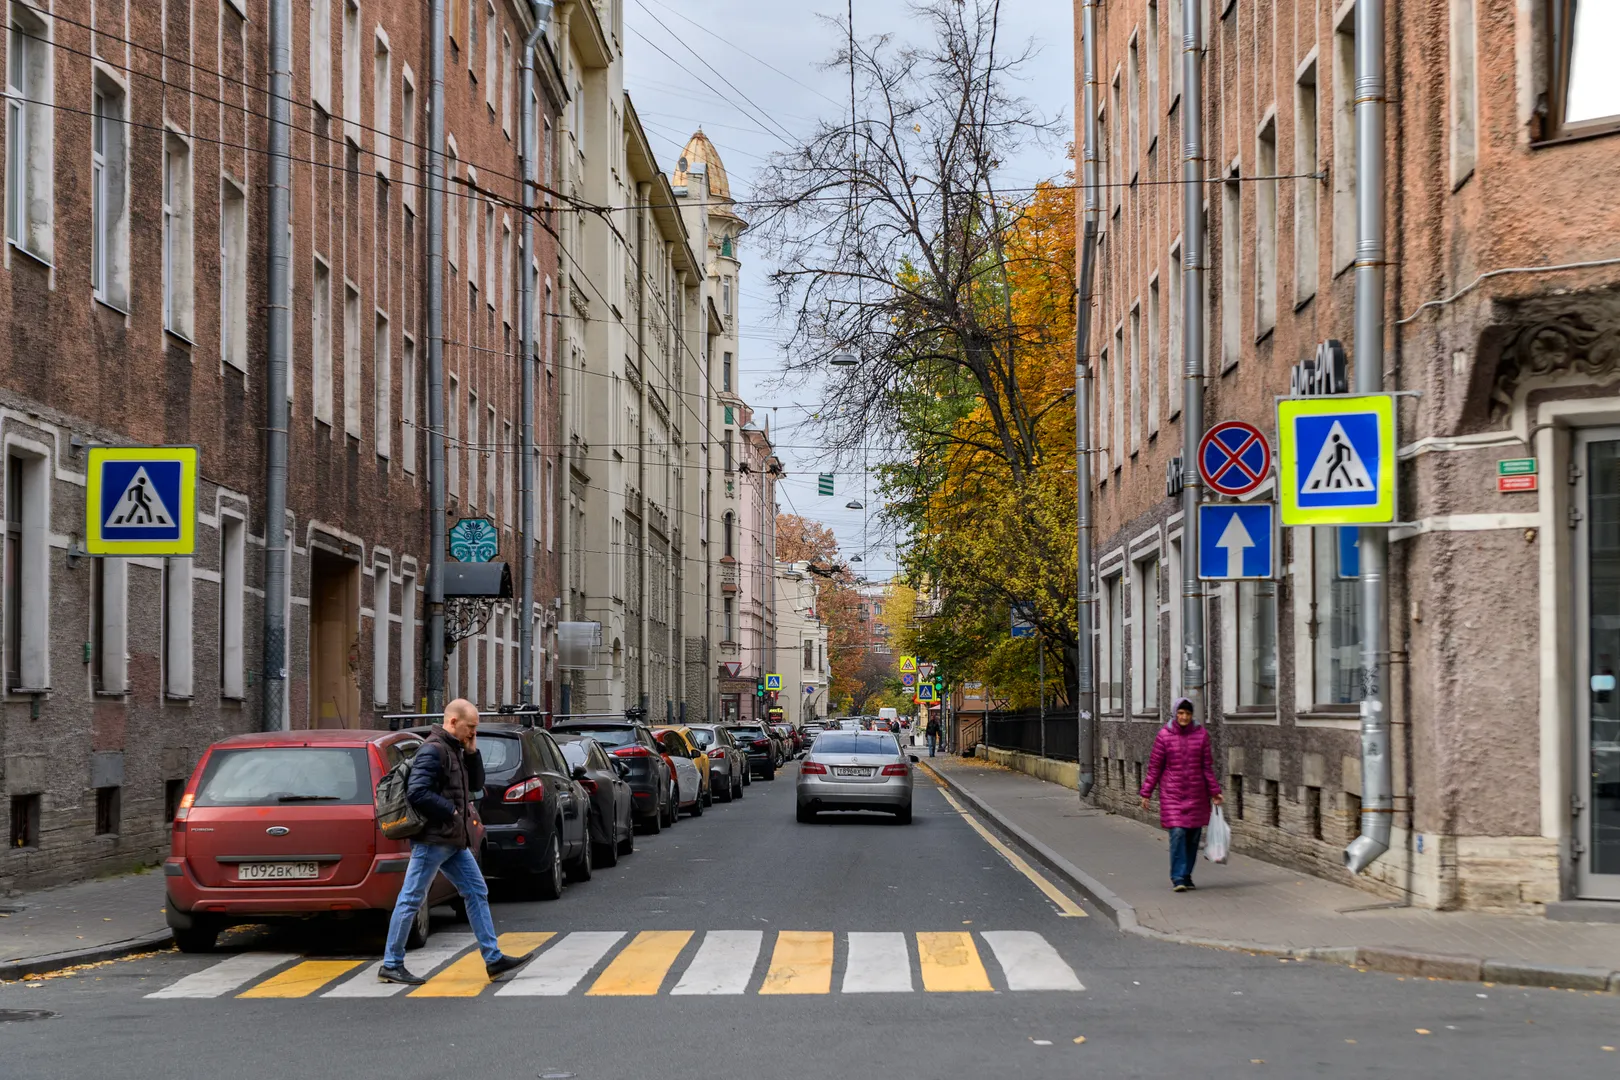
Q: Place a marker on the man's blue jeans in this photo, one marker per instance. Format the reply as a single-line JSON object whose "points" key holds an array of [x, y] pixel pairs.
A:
{"points": [[933, 743], [459, 866], [1183, 854]]}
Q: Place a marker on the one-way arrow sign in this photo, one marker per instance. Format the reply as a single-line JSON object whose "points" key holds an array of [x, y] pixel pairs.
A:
{"points": [[1236, 541]]}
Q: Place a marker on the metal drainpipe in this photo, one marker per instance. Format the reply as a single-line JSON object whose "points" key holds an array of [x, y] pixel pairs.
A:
{"points": [[1192, 293], [1085, 667], [273, 673], [435, 364], [643, 198], [542, 12], [1377, 789]]}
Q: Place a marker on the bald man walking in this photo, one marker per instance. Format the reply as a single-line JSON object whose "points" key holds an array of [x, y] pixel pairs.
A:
{"points": [[446, 776]]}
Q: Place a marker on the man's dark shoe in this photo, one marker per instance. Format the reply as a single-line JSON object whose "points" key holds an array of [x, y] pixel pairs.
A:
{"points": [[399, 975], [504, 965], [1191, 887]]}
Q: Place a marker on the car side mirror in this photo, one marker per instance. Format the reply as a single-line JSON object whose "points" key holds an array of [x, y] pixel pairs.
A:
{"points": [[578, 773], [913, 758]]}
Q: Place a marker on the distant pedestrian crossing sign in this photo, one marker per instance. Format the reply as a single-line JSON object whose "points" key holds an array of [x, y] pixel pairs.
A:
{"points": [[141, 500], [1336, 460], [773, 681], [925, 691]]}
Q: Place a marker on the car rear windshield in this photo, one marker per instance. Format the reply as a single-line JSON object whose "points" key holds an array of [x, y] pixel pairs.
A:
{"points": [[273, 775], [847, 742], [608, 736], [501, 753], [750, 732]]}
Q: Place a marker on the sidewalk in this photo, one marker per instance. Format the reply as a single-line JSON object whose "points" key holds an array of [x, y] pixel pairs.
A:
{"points": [[1123, 866], [80, 924]]}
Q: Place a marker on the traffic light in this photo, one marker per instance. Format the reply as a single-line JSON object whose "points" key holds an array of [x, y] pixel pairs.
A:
{"points": [[939, 687], [759, 689]]}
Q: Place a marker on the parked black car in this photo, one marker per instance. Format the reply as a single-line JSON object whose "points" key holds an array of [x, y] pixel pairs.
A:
{"points": [[612, 818], [651, 780], [728, 761], [764, 751], [535, 813]]}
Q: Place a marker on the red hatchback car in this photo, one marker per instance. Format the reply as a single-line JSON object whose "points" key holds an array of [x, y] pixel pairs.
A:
{"points": [[281, 825]]}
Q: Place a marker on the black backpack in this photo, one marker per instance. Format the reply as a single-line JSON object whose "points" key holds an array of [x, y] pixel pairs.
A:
{"points": [[396, 817]]}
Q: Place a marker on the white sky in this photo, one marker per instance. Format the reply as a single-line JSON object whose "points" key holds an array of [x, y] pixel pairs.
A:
{"points": [[743, 40]]}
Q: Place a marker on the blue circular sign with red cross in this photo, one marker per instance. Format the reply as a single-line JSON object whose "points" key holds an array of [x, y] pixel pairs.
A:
{"points": [[1234, 458]]}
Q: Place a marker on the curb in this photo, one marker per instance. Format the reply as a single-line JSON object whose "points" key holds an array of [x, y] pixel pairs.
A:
{"points": [[12, 970], [1396, 961]]}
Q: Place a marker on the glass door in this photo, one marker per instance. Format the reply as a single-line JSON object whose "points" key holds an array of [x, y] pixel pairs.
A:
{"points": [[1597, 718]]}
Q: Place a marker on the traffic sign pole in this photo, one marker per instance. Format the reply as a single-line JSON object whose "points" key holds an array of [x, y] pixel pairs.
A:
{"points": [[1193, 169]]}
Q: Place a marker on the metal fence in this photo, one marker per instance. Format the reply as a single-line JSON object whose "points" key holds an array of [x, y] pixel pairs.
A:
{"points": [[1022, 731]]}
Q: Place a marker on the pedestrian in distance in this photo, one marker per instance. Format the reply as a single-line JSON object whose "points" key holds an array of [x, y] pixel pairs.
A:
{"points": [[446, 775], [933, 733], [1182, 767]]}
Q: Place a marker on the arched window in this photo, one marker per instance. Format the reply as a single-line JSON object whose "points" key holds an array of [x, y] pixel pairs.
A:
{"points": [[730, 520]]}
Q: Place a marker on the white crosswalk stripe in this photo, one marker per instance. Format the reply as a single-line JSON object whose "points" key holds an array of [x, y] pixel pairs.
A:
{"points": [[225, 976], [724, 963], [878, 963], [1029, 962], [439, 951], [557, 970]]}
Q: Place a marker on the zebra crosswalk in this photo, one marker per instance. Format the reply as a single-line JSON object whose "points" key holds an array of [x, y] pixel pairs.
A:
{"points": [[617, 963]]}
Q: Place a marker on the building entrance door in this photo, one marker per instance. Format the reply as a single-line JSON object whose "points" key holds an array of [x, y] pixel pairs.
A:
{"points": [[1597, 716]]}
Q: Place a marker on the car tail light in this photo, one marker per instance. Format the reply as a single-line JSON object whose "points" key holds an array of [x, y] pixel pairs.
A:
{"points": [[762, 744], [812, 767], [588, 784], [632, 751], [897, 770], [531, 790], [184, 812]]}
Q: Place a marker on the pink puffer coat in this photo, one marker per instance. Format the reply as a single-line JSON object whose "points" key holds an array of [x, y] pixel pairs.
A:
{"points": [[1183, 763]]}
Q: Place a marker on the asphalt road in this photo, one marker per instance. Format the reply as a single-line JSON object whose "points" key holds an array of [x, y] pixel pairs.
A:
{"points": [[812, 916]]}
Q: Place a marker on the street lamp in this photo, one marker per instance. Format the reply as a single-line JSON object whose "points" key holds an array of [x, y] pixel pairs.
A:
{"points": [[843, 359], [854, 504]]}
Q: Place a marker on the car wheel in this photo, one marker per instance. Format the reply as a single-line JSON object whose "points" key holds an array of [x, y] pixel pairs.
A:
{"points": [[708, 793], [606, 854], [806, 815], [903, 816], [737, 785], [728, 792], [674, 805], [628, 844], [770, 773], [580, 869], [197, 938], [549, 885], [748, 775], [697, 805], [654, 822], [419, 927]]}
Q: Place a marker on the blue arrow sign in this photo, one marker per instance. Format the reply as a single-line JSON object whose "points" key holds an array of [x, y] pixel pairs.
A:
{"points": [[1236, 541]]}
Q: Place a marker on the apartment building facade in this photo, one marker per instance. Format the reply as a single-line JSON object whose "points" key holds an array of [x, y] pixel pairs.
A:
{"points": [[801, 646], [1502, 308], [134, 291]]}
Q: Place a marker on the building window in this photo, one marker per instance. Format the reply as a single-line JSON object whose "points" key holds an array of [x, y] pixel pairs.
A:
{"points": [[407, 404], [30, 95], [25, 814], [509, 280], [407, 642], [506, 85], [382, 386], [233, 259], [730, 459], [1344, 142], [177, 628], [232, 597], [1336, 623], [809, 656], [1585, 95], [13, 595], [1306, 164], [177, 226], [452, 454], [729, 630], [1152, 359], [725, 297], [109, 625], [452, 217], [1118, 423], [321, 344], [728, 524], [109, 205], [351, 361], [1153, 71], [725, 373], [489, 57], [382, 107], [508, 451], [1175, 38], [491, 473], [472, 448], [380, 630], [1102, 414], [351, 71], [407, 140], [27, 593], [550, 510], [1172, 572], [1231, 267], [108, 810], [320, 53], [1133, 75], [173, 792], [1136, 378], [1145, 636], [1172, 358], [1265, 256], [1112, 690], [1257, 644]]}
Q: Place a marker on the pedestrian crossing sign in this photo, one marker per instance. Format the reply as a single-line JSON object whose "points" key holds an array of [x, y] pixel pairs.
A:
{"points": [[1336, 460], [925, 691], [773, 681], [141, 500]]}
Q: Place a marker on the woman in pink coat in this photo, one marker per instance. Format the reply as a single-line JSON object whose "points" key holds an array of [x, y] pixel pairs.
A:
{"points": [[1183, 764]]}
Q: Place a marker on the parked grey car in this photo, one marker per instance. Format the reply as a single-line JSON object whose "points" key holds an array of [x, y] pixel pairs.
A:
{"points": [[728, 762], [855, 770]]}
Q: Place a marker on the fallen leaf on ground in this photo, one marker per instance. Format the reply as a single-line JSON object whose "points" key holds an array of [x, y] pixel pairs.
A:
{"points": [[1078, 1039], [1352, 1042], [1422, 1031], [1257, 1061], [1041, 1042]]}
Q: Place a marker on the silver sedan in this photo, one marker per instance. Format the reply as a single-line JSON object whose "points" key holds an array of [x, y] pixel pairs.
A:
{"points": [[855, 770]]}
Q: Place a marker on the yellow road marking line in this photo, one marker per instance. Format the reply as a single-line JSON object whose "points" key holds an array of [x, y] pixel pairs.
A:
{"points": [[802, 963], [641, 967], [950, 963], [301, 980], [467, 977], [1067, 908]]}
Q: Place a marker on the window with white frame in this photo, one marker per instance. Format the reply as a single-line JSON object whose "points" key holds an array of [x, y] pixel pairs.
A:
{"points": [[1152, 359], [1133, 76], [382, 387], [1136, 378], [109, 201], [321, 344], [1256, 644], [27, 599], [178, 218], [352, 47], [491, 286], [351, 361], [506, 85], [109, 626], [491, 467], [30, 95], [407, 404], [407, 641], [1306, 186], [382, 106], [1174, 36], [1584, 91], [490, 54], [1145, 634], [452, 215], [1172, 357], [177, 628], [1112, 650], [472, 448], [1152, 23], [1103, 413], [1344, 142], [320, 53], [1335, 623], [509, 280], [1265, 256], [233, 278], [508, 452], [1231, 267], [452, 456], [380, 630], [1172, 578], [1117, 425], [232, 598], [407, 139]]}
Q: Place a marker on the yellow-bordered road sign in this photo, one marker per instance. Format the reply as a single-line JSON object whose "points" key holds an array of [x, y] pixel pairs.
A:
{"points": [[908, 665], [141, 500], [773, 682], [1336, 460], [925, 691]]}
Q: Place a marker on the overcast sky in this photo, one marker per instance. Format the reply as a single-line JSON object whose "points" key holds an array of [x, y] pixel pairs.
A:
{"points": [[675, 93]]}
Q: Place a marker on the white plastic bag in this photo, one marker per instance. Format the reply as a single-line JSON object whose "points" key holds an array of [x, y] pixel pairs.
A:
{"points": [[1217, 838]]}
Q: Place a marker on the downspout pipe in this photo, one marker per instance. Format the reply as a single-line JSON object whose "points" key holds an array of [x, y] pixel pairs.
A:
{"points": [[1085, 666], [273, 671], [644, 537], [1192, 343], [1377, 786], [435, 364], [526, 137]]}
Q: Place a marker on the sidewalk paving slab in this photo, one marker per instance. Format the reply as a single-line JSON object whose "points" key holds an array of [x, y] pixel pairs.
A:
{"points": [[1245, 903], [79, 924]]}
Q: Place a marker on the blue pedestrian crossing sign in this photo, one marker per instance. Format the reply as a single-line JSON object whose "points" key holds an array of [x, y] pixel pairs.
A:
{"points": [[141, 500], [1336, 460], [925, 691], [1237, 541], [773, 682]]}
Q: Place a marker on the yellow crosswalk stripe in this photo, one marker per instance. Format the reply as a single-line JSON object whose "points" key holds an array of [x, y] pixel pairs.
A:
{"points": [[950, 962], [467, 978], [802, 963], [301, 980], [641, 966]]}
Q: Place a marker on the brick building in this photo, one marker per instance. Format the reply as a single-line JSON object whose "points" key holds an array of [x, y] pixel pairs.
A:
{"points": [[133, 293], [1503, 306]]}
